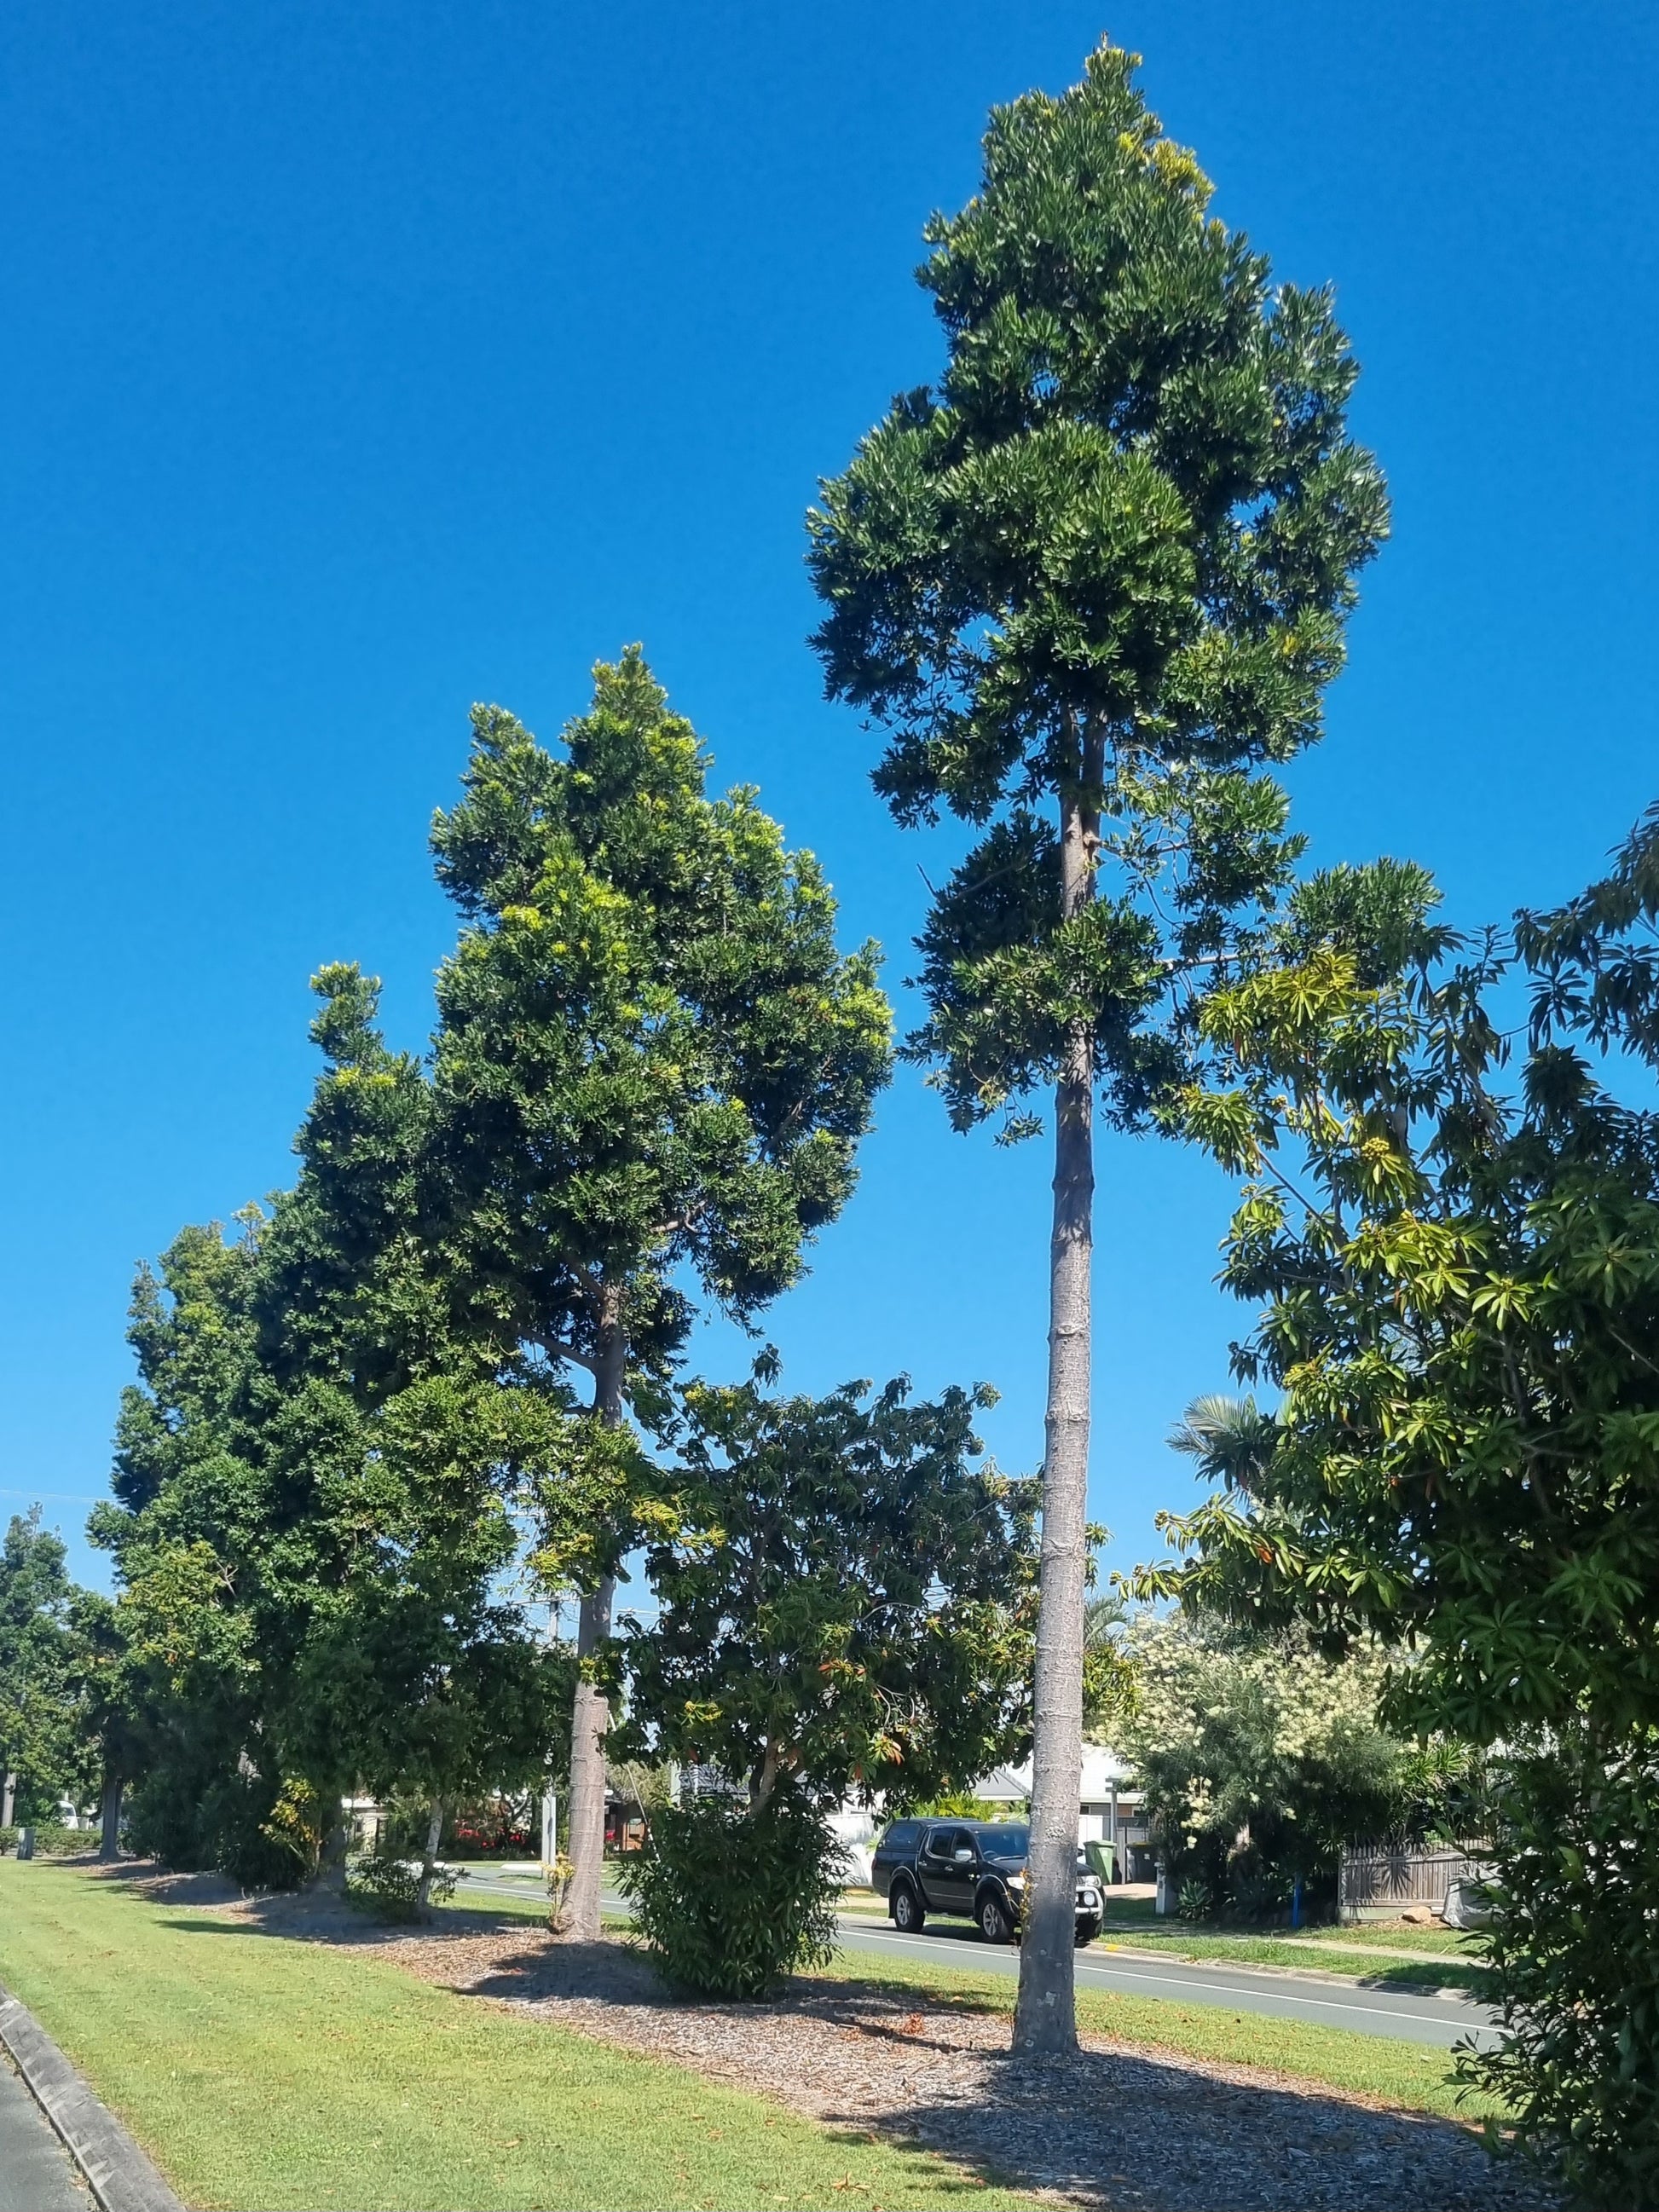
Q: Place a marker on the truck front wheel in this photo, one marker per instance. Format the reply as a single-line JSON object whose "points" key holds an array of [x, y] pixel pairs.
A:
{"points": [[995, 1923]]}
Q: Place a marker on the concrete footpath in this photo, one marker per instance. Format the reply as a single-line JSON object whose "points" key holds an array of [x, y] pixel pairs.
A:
{"points": [[37, 2174], [49, 2107]]}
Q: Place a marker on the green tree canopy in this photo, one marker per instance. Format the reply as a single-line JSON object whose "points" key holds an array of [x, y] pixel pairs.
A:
{"points": [[845, 1606], [844, 1598], [1092, 585], [48, 1740], [652, 1069], [315, 1479], [1458, 1277]]}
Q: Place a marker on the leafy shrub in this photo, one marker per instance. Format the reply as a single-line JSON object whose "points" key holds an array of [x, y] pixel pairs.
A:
{"points": [[194, 1815], [390, 1888], [962, 1805], [730, 1901], [1570, 1950], [1259, 1890], [52, 1839], [1195, 1902]]}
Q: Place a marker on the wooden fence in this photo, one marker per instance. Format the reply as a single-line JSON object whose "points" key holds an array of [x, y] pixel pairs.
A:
{"points": [[1381, 1879]]}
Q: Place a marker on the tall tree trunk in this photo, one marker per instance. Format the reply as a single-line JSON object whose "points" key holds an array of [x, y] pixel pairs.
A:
{"points": [[109, 1843], [331, 1857], [434, 1836], [591, 1718], [1045, 2015]]}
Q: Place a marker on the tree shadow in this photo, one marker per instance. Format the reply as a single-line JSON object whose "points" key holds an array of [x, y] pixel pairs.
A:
{"points": [[1134, 2133], [927, 2067]]}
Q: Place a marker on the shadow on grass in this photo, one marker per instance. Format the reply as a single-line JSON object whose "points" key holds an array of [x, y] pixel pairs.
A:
{"points": [[930, 2068], [1117, 2129]]}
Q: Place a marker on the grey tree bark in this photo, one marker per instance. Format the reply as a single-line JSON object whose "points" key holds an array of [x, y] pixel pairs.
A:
{"points": [[109, 1841], [1045, 2013], [331, 1861], [591, 1718], [435, 1832]]}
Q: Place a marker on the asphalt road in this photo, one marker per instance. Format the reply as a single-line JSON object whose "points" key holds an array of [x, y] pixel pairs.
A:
{"points": [[1410, 2016], [36, 2172]]}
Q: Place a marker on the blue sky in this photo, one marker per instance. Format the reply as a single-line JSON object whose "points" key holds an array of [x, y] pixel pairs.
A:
{"points": [[365, 363]]}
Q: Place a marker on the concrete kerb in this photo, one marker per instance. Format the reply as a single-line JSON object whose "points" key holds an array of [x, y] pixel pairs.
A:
{"points": [[120, 2177]]}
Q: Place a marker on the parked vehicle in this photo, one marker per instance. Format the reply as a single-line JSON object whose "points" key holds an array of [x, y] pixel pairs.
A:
{"points": [[973, 1868]]}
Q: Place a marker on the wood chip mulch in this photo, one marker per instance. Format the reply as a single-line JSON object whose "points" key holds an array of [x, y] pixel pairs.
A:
{"points": [[1117, 2127]]}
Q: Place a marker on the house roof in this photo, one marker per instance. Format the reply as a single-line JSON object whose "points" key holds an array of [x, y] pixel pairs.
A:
{"points": [[1102, 1767]]}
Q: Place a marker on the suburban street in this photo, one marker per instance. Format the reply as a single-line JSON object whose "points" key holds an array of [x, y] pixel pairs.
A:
{"points": [[1327, 2003], [1326, 2000]]}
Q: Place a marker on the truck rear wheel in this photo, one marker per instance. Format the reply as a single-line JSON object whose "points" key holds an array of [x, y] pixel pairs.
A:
{"points": [[908, 1916]]}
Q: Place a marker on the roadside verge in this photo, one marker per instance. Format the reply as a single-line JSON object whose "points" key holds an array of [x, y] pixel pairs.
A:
{"points": [[120, 2177]]}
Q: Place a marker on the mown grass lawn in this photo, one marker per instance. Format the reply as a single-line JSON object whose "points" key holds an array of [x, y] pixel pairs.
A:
{"points": [[1410, 2076], [1323, 1950], [1199, 1945], [264, 2074]]}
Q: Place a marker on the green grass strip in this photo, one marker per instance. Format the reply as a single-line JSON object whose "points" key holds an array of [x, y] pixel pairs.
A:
{"points": [[1308, 1958], [266, 2074]]}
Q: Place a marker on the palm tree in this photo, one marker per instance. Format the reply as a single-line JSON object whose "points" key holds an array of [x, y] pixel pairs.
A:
{"points": [[1231, 1438]]}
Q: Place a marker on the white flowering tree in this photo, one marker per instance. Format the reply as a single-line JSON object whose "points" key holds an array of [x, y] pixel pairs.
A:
{"points": [[1261, 1756]]}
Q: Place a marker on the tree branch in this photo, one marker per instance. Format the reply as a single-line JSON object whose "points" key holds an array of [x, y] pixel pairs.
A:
{"points": [[556, 1348]]}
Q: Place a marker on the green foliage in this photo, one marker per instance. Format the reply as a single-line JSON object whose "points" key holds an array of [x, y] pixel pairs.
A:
{"points": [[1109, 1687], [52, 1839], [1261, 1756], [1571, 1957], [390, 1888], [47, 1736], [843, 1598], [652, 1069], [193, 1813], [731, 1898], [1195, 1902], [1460, 1291], [952, 1804], [651, 1056], [314, 1501], [1105, 562]]}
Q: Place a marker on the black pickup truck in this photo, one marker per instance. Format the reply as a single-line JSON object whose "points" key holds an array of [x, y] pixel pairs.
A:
{"points": [[973, 1868]]}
